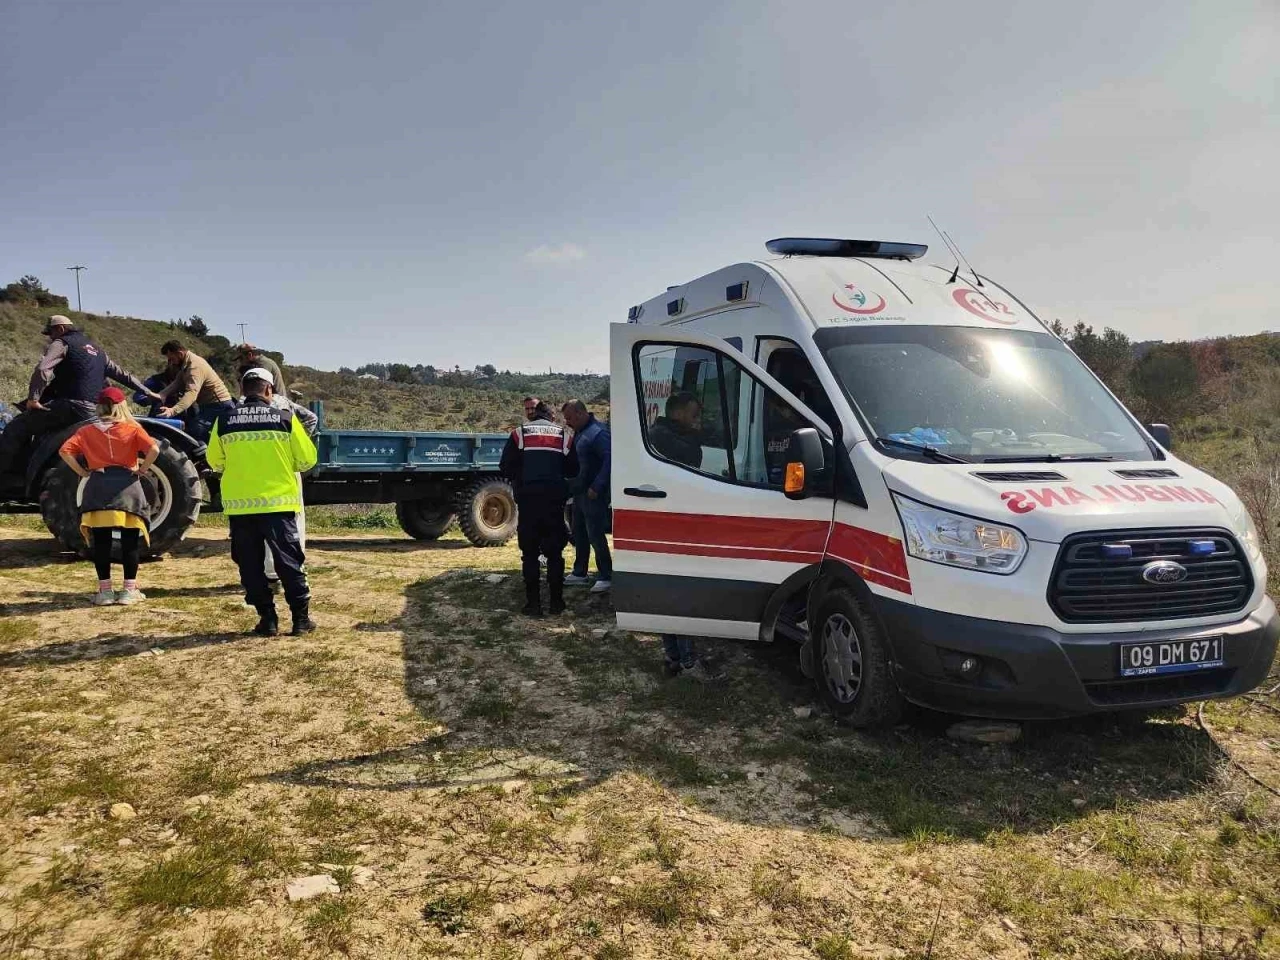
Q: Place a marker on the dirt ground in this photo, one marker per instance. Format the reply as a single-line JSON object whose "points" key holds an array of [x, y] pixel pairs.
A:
{"points": [[471, 783]]}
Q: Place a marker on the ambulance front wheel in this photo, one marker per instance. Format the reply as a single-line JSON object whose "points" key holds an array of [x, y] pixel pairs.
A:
{"points": [[851, 663]]}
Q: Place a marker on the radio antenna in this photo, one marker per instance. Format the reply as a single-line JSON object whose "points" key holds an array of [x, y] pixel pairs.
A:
{"points": [[946, 240], [976, 279]]}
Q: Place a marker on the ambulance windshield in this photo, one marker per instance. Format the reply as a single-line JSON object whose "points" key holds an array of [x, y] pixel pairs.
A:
{"points": [[978, 395]]}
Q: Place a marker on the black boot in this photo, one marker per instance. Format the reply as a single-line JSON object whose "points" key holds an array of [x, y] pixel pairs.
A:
{"points": [[532, 600], [268, 622], [302, 622], [557, 598]]}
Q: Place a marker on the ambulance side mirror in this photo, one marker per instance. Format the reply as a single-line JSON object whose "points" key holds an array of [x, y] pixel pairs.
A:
{"points": [[1161, 434], [805, 463]]}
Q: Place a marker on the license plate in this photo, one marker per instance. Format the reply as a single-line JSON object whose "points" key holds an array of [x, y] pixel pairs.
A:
{"points": [[1170, 656]]}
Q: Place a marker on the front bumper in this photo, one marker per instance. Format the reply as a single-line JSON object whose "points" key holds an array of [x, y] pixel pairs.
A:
{"points": [[1034, 672]]}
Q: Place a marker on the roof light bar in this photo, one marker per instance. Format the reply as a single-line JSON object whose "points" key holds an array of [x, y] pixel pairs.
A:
{"points": [[830, 247], [736, 291], [675, 307]]}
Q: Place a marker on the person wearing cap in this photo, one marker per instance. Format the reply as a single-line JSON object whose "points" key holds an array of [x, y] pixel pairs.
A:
{"points": [[71, 373], [113, 505], [197, 394], [251, 357], [311, 424], [260, 449]]}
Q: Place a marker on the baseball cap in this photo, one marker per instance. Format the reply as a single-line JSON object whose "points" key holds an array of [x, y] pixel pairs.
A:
{"points": [[111, 395], [57, 320], [257, 373]]}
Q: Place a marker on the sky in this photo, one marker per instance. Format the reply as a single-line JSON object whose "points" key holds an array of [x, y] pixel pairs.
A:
{"points": [[482, 182]]}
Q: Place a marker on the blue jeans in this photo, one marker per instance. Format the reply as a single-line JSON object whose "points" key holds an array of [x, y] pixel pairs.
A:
{"points": [[200, 419], [678, 650], [590, 524]]}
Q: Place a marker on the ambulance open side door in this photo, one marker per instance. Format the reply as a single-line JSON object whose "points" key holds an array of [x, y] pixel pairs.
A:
{"points": [[703, 533]]}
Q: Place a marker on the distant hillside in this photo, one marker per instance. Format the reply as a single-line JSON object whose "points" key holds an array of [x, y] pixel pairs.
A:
{"points": [[478, 405]]}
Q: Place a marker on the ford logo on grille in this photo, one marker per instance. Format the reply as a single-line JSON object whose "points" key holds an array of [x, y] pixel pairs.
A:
{"points": [[1164, 571]]}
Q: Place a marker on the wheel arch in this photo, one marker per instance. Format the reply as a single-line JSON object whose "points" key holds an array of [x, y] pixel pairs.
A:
{"points": [[822, 577]]}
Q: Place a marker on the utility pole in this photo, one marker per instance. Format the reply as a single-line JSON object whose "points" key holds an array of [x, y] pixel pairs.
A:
{"points": [[242, 326], [77, 270]]}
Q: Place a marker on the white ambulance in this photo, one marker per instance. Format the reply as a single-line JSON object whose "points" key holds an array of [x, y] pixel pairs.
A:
{"points": [[897, 467]]}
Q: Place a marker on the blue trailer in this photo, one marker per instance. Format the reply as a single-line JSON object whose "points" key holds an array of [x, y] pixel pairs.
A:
{"points": [[432, 478]]}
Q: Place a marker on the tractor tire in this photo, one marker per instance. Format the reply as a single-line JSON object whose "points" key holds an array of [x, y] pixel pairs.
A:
{"points": [[424, 519], [173, 492], [487, 512]]}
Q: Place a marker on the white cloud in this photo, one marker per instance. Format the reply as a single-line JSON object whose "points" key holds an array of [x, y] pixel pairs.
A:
{"points": [[564, 253]]}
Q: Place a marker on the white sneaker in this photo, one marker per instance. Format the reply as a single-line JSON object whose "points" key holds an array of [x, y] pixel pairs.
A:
{"points": [[127, 597], [602, 586], [104, 598], [573, 580]]}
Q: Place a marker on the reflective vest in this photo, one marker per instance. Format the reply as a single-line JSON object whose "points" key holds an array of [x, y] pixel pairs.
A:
{"points": [[260, 449]]}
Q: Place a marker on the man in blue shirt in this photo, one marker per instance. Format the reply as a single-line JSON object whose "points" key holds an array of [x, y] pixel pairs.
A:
{"points": [[591, 514]]}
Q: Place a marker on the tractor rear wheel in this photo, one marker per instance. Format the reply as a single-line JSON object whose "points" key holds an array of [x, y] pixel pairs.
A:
{"points": [[172, 486], [424, 519], [487, 512]]}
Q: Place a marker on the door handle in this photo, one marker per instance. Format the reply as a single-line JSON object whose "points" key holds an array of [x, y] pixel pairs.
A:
{"points": [[648, 492]]}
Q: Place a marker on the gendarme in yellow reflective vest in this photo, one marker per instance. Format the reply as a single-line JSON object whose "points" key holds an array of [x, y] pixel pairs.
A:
{"points": [[259, 450]]}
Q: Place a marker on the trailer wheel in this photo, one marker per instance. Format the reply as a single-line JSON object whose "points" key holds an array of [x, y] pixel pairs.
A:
{"points": [[851, 664], [487, 512], [173, 494], [424, 519]]}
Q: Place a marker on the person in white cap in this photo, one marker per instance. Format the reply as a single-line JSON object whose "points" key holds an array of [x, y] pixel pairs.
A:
{"points": [[260, 449], [310, 423]]}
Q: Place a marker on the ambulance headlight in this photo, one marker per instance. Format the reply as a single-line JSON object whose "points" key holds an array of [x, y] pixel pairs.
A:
{"points": [[943, 537]]}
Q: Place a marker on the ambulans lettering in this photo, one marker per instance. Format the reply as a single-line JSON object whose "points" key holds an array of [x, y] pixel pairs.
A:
{"points": [[1024, 501]]}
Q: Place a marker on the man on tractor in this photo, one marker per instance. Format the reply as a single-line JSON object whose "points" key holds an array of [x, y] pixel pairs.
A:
{"points": [[64, 389]]}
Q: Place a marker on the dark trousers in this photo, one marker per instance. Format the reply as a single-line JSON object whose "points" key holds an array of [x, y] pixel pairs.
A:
{"points": [[17, 436], [540, 531], [199, 419], [252, 535], [102, 538], [590, 524]]}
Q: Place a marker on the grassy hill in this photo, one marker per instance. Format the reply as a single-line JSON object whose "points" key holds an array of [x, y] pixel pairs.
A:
{"points": [[350, 401]]}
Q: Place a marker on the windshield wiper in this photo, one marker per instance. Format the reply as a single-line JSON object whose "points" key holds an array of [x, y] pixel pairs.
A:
{"points": [[1055, 458], [921, 448]]}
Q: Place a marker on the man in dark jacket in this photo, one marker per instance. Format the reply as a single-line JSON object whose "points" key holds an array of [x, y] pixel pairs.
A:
{"points": [[676, 435], [537, 460], [593, 444], [64, 389]]}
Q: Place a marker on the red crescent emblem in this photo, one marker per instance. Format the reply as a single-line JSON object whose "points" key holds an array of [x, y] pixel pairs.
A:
{"points": [[865, 311]]}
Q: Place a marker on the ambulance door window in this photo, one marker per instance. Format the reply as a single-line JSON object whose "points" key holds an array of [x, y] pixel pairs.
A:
{"points": [[761, 459], [687, 392]]}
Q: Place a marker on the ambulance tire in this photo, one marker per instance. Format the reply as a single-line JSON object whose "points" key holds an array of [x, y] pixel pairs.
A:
{"points": [[487, 512], [424, 519], [851, 663]]}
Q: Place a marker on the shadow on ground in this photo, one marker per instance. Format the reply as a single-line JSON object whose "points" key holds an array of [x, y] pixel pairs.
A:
{"points": [[115, 645], [383, 545], [33, 551], [569, 697]]}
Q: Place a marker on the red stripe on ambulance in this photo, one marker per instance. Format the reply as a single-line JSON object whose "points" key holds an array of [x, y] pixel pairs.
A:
{"points": [[877, 558]]}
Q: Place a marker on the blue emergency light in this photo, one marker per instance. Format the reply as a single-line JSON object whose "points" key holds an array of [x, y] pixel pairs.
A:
{"points": [[1117, 551], [830, 247], [1201, 548]]}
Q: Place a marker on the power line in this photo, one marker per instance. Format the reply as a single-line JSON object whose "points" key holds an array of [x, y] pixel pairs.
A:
{"points": [[77, 270], [242, 326]]}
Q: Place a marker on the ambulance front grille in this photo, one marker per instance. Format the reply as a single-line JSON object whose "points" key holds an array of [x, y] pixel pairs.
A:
{"points": [[1093, 585]]}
